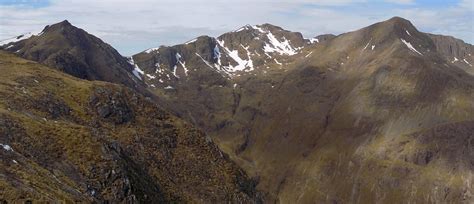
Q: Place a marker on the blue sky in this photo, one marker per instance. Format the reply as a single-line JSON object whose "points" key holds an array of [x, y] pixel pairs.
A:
{"points": [[27, 3], [133, 26]]}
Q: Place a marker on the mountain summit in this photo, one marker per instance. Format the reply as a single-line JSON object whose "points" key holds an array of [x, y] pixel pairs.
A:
{"points": [[76, 52], [383, 114]]}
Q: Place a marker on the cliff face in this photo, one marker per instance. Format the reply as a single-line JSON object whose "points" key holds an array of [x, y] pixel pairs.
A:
{"points": [[455, 51], [65, 139]]}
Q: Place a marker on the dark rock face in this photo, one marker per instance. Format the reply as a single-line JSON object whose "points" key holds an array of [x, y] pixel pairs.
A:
{"points": [[76, 52], [68, 63], [111, 105], [455, 51], [55, 107]]}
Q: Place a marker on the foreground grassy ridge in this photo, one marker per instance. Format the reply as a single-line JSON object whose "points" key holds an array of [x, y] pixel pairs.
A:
{"points": [[75, 140]]}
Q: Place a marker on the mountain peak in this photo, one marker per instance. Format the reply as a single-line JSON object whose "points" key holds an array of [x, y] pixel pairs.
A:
{"points": [[400, 23], [271, 26], [78, 53], [394, 29], [61, 25], [65, 22], [397, 19]]}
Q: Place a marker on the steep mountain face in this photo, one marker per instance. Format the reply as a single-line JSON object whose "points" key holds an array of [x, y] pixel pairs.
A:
{"points": [[368, 117], [68, 140], [455, 51], [375, 115], [76, 52], [231, 54], [198, 78], [384, 114]]}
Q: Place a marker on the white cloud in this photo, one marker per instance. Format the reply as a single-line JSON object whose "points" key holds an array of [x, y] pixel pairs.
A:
{"points": [[467, 4], [133, 26], [405, 2]]}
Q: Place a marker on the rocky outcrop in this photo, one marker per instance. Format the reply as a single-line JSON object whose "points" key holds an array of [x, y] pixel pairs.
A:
{"points": [[68, 140], [455, 51]]}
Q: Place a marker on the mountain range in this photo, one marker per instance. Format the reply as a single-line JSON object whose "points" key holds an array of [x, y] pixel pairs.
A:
{"points": [[383, 114]]}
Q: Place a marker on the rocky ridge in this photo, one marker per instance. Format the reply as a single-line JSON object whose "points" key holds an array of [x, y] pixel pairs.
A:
{"points": [[69, 140]]}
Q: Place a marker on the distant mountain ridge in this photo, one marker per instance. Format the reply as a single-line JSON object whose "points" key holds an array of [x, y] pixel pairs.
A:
{"points": [[74, 51], [232, 54], [383, 114]]}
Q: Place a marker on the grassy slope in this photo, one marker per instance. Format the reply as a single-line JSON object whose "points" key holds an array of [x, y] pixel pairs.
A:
{"points": [[368, 126], [348, 124], [76, 140]]}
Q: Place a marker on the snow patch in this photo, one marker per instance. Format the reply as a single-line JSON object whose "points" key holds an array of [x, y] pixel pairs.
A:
{"points": [[185, 68], [373, 47], [136, 70], [234, 54], [169, 87], [258, 29], [408, 32], [313, 40], [191, 41], [455, 60], [276, 61], [243, 28], [20, 37], [217, 53], [152, 50], [205, 61], [151, 76], [6, 147], [408, 44], [183, 64], [249, 61], [281, 47], [309, 54], [367, 44], [240, 29], [467, 62], [174, 71]]}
